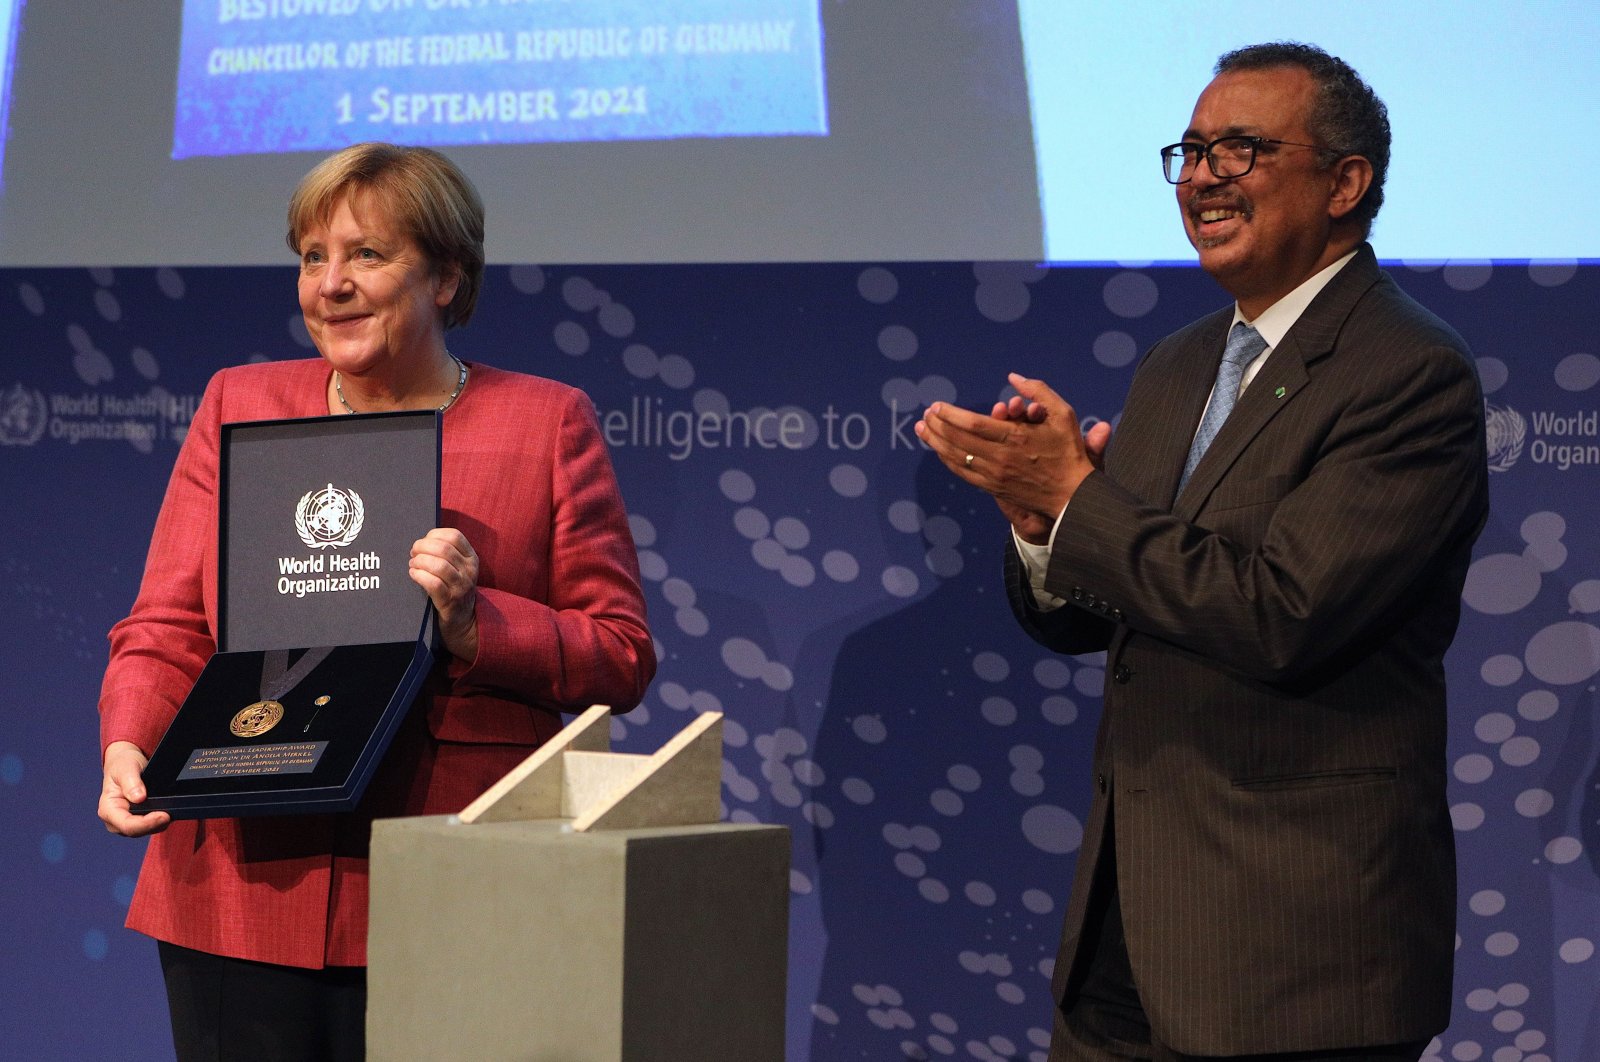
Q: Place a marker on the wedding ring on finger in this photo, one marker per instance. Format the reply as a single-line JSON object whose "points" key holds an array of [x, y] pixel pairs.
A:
{"points": [[969, 460]]}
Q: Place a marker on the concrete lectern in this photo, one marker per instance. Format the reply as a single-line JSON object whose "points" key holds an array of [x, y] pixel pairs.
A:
{"points": [[587, 908]]}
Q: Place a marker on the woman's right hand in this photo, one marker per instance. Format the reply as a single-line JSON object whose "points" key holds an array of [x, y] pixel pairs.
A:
{"points": [[124, 785]]}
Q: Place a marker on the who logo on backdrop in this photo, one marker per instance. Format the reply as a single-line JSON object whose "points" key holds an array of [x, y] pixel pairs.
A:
{"points": [[23, 416], [1562, 439], [1505, 432]]}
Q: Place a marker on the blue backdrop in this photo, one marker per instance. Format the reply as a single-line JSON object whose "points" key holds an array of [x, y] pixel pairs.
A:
{"points": [[826, 584]]}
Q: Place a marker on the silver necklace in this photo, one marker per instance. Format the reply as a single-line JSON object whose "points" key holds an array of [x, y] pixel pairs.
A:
{"points": [[461, 382]]}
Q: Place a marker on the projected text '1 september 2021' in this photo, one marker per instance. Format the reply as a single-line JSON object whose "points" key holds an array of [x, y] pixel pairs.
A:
{"points": [[284, 75]]}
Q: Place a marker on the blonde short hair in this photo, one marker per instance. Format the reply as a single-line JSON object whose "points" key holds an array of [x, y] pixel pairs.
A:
{"points": [[420, 190]]}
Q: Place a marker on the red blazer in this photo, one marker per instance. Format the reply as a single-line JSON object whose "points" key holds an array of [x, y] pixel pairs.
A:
{"points": [[561, 626]]}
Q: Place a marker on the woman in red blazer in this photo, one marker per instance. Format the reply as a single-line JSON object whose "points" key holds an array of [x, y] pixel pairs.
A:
{"points": [[534, 577]]}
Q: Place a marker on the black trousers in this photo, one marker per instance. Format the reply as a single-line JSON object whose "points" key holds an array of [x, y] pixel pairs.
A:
{"points": [[235, 1010]]}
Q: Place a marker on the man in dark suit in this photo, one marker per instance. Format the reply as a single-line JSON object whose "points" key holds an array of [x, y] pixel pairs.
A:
{"points": [[1271, 553]]}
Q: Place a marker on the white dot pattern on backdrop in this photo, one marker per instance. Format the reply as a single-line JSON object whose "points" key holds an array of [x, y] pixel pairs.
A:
{"points": [[1578, 372], [1115, 349], [1130, 294], [1501, 761], [1467, 275], [1552, 273], [1532, 686], [897, 343], [1492, 374], [977, 732], [1002, 294], [31, 299], [877, 285]]}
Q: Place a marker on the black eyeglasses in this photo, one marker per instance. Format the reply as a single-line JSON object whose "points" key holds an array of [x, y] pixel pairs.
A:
{"points": [[1228, 156]]}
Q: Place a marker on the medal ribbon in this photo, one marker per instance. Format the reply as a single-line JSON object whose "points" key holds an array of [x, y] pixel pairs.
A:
{"points": [[278, 678]]}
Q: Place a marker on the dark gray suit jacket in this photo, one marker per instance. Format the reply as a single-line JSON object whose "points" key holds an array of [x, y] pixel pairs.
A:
{"points": [[1273, 736]]}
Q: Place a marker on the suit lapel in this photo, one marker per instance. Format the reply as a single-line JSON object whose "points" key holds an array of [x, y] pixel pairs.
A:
{"points": [[1287, 371], [1151, 443], [1279, 380]]}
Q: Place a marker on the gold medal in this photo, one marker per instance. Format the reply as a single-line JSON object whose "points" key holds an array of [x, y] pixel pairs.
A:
{"points": [[256, 719]]}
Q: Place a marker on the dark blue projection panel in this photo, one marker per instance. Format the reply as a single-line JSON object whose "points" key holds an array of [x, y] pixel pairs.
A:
{"points": [[815, 574]]}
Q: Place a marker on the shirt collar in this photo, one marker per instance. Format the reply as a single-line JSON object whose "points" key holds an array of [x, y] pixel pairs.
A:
{"points": [[1275, 321]]}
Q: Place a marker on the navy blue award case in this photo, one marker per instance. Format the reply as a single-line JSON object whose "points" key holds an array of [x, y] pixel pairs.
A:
{"points": [[323, 639]]}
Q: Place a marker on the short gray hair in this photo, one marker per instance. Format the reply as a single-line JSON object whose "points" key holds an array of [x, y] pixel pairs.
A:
{"points": [[1347, 116]]}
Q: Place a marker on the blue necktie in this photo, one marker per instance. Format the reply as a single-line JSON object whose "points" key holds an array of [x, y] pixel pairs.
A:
{"points": [[1244, 346]]}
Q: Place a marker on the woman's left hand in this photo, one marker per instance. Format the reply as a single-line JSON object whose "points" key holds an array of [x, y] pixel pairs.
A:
{"points": [[445, 565]]}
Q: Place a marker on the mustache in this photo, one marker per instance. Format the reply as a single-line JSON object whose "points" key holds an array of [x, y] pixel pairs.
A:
{"points": [[1218, 199]]}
